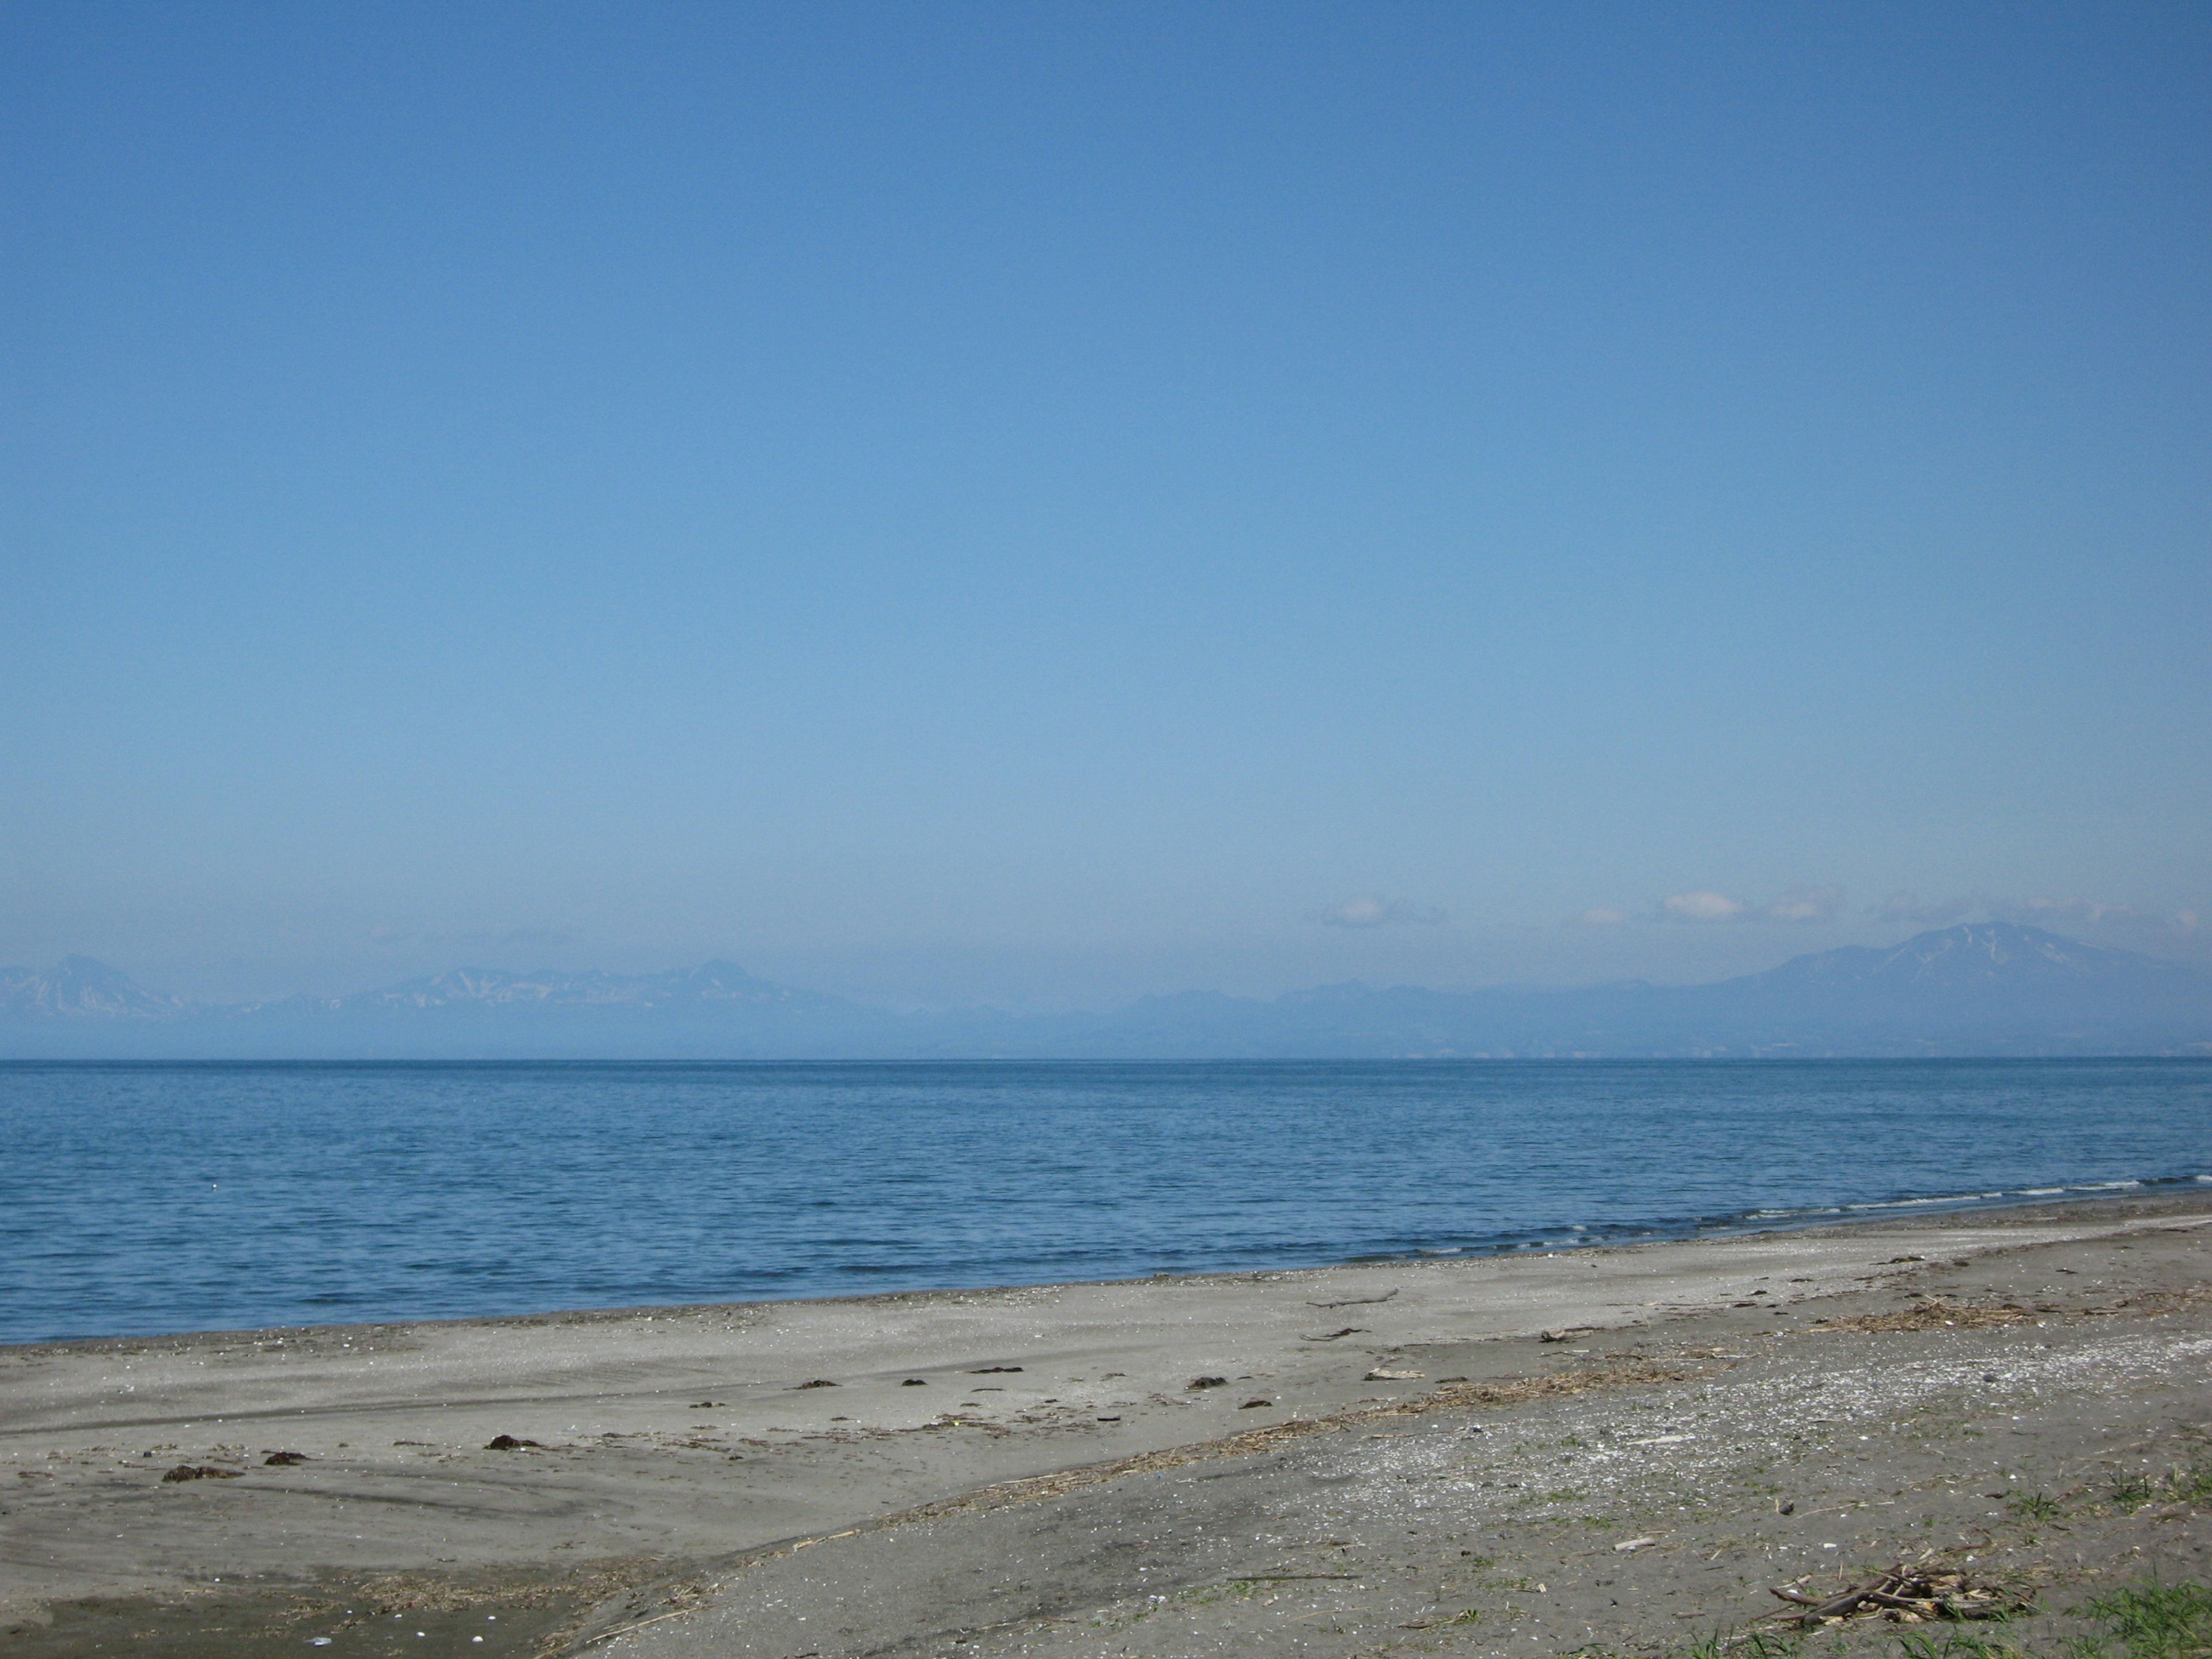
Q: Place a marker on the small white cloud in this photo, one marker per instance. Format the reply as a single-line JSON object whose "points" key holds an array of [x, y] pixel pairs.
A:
{"points": [[1806, 904], [1907, 907], [1597, 916], [1701, 905], [1369, 911]]}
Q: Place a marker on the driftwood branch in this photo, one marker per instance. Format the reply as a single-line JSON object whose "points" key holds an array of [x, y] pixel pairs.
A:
{"points": [[1913, 1592], [1355, 1301]]}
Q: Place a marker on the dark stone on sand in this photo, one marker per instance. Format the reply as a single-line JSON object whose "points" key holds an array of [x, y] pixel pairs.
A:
{"points": [[1250, 1404], [1206, 1382], [278, 1460], [819, 1383], [201, 1472], [507, 1443], [915, 1383]]}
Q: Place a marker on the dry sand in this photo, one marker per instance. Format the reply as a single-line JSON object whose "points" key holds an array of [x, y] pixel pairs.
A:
{"points": [[1054, 1485]]}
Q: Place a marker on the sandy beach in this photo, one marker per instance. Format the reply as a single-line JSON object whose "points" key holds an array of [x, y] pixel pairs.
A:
{"points": [[1440, 1455]]}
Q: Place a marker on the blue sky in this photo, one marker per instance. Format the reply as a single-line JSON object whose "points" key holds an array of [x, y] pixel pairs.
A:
{"points": [[1039, 503]]}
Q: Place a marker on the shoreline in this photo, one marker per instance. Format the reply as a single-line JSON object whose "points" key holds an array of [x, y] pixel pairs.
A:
{"points": [[1751, 1224], [668, 1439]]}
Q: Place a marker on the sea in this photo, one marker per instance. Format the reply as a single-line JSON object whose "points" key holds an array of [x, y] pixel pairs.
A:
{"points": [[145, 1198]]}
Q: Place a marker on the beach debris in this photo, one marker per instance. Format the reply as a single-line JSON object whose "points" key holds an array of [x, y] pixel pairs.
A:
{"points": [[1894, 1259], [1629, 1546], [202, 1472], [1613, 1371], [708, 1405], [1933, 1314], [1207, 1382], [1331, 1336], [1380, 1374], [278, 1460], [1252, 1404], [993, 1370], [1784, 1506], [1905, 1595], [819, 1383], [1464, 1616], [915, 1383], [1565, 1334], [508, 1443], [1355, 1301]]}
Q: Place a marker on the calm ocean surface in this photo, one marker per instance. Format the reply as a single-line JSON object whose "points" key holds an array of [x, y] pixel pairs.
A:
{"points": [[141, 1199]]}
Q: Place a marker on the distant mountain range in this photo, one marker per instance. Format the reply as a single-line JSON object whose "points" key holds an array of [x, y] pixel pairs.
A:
{"points": [[1986, 988]]}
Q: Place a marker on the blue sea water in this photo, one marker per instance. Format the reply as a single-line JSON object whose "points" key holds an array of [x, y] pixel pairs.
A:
{"points": [[141, 1199]]}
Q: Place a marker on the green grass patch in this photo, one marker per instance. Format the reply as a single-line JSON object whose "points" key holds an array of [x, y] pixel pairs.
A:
{"points": [[1745, 1644], [2150, 1620], [2193, 1483], [2188, 1486], [1963, 1644]]}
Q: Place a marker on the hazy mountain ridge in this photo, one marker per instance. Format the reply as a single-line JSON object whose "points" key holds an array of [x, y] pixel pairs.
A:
{"points": [[79, 987], [1978, 988], [1995, 955], [707, 985]]}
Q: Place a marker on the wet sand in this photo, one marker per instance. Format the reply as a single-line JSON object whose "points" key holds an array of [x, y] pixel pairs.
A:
{"points": [[682, 1453]]}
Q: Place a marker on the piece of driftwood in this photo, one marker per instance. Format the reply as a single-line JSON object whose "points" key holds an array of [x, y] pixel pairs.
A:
{"points": [[1355, 1301]]}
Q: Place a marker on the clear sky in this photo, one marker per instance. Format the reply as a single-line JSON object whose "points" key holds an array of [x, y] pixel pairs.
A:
{"points": [[1044, 502]]}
